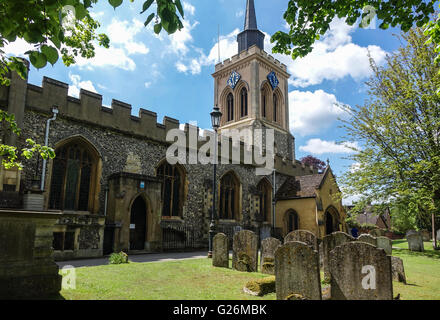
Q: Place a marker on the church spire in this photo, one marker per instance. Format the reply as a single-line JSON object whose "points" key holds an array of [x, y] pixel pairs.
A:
{"points": [[251, 35], [251, 20]]}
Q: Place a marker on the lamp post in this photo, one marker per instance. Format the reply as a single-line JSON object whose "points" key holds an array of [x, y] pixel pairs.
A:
{"points": [[216, 116]]}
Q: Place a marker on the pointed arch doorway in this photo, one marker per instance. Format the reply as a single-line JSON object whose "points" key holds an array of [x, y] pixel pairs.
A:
{"points": [[138, 224]]}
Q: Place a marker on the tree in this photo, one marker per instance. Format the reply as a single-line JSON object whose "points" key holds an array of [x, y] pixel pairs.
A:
{"points": [[315, 162], [399, 128], [57, 27], [310, 19]]}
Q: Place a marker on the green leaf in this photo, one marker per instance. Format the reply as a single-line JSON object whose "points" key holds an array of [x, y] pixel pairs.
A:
{"points": [[157, 28], [80, 12], [38, 59], [115, 3], [51, 54], [179, 7], [146, 5], [150, 17]]}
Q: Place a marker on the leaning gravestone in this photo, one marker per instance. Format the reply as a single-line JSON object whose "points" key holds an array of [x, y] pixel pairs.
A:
{"points": [[267, 259], [329, 242], [368, 238], [360, 271], [220, 252], [386, 244], [426, 235], [302, 236], [397, 270], [245, 251], [297, 271], [415, 242]]}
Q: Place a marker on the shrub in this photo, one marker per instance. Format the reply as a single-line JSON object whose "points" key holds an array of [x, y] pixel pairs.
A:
{"points": [[262, 286], [118, 258]]}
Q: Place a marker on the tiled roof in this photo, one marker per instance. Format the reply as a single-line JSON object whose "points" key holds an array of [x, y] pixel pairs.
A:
{"points": [[300, 187]]}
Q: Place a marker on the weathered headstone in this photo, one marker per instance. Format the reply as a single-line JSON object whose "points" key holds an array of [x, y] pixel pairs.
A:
{"points": [[297, 271], [397, 270], [267, 259], [410, 232], [245, 251], [329, 242], [220, 251], [426, 235], [368, 238], [438, 235], [386, 244], [302, 236], [415, 242], [360, 271], [377, 232]]}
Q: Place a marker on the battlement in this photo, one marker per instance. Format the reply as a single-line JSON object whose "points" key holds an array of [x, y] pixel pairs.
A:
{"points": [[254, 50], [88, 108]]}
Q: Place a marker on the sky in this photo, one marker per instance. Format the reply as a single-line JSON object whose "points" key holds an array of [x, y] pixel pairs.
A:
{"points": [[171, 74]]}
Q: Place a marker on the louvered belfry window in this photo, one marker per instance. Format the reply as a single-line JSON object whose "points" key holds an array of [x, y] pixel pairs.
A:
{"points": [[71, 179]]}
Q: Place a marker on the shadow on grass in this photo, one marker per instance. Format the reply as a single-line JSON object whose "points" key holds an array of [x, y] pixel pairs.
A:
{"points": [[427, 253]]}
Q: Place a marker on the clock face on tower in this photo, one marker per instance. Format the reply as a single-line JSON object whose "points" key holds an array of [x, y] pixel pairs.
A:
{"points": [[273, 80], [233, 79]]}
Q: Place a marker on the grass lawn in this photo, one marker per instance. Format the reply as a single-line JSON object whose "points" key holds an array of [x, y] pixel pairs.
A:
{"points": [[422, 271], [196, 279], [193, 279]]}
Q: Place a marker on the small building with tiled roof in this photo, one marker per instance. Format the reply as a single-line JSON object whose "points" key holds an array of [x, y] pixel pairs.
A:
{"points": [[312, 203]]}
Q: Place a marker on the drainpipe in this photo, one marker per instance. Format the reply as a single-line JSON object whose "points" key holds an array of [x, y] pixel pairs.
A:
{"points": [[106, 201], [46, 142]]}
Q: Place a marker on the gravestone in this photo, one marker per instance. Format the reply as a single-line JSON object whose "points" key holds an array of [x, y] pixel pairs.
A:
{"points": [[297, 271], [302, 236], [377, 232], [245, 251], [267, 259], [386, 244], [426, 235], [368, 238], [360, 271], [438, 235], [265, 232], [410, 232], [329, 242], [415, 242], [397, 270], [220, 251]]}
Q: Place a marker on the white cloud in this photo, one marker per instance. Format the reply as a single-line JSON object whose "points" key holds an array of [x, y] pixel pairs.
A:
{"points": [[124, 32], [181, 38], [334, 57], [188, 8], [311, 112], [148, 84], [239, 13], [318, 147], [77, 85], [18, 48], [112, 57]]}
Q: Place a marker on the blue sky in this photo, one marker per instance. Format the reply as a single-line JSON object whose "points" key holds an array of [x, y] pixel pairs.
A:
{"points": [[171, 75]]}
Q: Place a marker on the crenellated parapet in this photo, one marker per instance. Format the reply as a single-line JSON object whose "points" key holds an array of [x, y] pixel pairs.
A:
{"points": [[252, 52], [88, 108]]}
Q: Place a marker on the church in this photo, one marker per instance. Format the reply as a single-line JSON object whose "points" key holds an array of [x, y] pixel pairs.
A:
{"points": [[115, 189]]}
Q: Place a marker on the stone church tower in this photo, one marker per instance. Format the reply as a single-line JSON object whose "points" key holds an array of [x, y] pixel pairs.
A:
{"points": [[251, 88]]}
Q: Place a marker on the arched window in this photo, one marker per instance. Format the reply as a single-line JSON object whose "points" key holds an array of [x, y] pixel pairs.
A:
{"points": [[243, 102], [275, 108], [172, 189], [72, 178], [292, 221], [230, 102], [229, 197], [265, 193]]}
